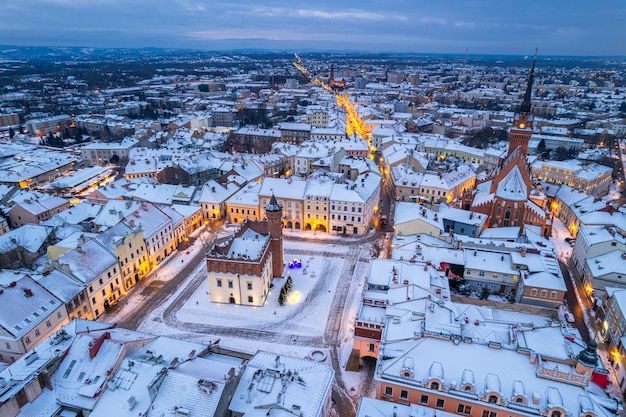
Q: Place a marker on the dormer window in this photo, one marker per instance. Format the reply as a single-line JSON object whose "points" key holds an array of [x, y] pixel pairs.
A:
{"points": [[467, 388], [435, 385], [555, 413], [493, 399]]}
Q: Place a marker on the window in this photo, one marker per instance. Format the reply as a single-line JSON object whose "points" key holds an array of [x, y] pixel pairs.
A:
{"points": [[27, 340], [493, 399], [487, 413], [372, 347], [464, 409], [555, 413], [404, 394], [533, 292], [219, 282], [230, 284], [48, 324], [481, 273], [388, 391], [104, 293], [553, 295], [440, 403], [250, 299], [544, 293], [249, 285], [424, 399], [434, 385], [93, 300]]}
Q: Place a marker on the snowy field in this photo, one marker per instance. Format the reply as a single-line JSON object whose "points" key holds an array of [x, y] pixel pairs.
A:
{"points": [[305, 312]]}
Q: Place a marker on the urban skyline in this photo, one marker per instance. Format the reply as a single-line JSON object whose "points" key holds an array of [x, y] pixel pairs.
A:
{"points": [[478, 27]]}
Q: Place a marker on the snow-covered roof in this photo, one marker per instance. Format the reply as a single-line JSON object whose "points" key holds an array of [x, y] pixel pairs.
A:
{"points": [[88, 262], [30, 237], [25, 303], [512, 187], [303, 386], [216, 193]]}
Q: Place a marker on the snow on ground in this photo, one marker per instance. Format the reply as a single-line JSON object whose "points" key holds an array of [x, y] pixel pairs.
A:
{"points": [[559, 233], [312, 292]]}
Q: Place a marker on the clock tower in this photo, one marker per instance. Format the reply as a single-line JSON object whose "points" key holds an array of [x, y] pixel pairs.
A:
{"points": [[522, 129]]}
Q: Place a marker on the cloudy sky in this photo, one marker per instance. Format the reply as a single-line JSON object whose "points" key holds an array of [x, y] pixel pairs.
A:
{"points": [[556, 27]]}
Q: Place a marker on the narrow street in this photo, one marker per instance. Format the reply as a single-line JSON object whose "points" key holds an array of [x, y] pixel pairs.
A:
{"points": [[572, 301]]}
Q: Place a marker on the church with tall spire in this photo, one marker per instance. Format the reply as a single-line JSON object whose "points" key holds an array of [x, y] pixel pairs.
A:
{"points": [[508, 197]]}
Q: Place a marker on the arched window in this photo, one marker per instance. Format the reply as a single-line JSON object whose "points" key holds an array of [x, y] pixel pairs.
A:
{"points": [[493, 399], [468, 388], [519, 400], [435, 385], [507, 217], [555, 413]]}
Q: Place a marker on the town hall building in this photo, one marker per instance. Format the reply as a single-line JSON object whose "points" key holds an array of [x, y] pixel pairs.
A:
{"points": [[240, 269]]}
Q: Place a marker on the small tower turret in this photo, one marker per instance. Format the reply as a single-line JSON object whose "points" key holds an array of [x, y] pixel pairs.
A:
{"points": [[274, 213]]}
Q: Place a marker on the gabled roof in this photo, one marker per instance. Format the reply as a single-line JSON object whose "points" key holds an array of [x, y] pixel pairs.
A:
{"points": [[30, 304], [512, 187]]}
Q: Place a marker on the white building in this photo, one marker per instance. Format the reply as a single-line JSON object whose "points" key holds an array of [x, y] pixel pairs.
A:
{"points": [[100, 153]]}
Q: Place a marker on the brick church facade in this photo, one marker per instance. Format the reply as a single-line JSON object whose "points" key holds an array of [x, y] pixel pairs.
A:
{"points": [[509, 197]]}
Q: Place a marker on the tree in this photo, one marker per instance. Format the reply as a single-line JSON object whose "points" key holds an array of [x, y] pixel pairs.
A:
{"points": [[485, 293], [541, 147], [560, 154], [11, 132]]}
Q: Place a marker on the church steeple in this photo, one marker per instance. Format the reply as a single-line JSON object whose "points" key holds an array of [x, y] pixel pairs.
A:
{"points": [[522, 130], [526, 104]]}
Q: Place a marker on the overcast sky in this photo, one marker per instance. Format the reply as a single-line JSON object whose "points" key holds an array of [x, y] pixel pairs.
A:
{"points": [[556, 27]]}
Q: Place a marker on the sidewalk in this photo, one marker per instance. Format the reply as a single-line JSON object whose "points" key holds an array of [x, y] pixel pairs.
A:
{"points": [[592, 325]]}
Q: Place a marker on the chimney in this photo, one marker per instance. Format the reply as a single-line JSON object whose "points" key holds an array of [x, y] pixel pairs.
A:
{"points": [[523, 252]]}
